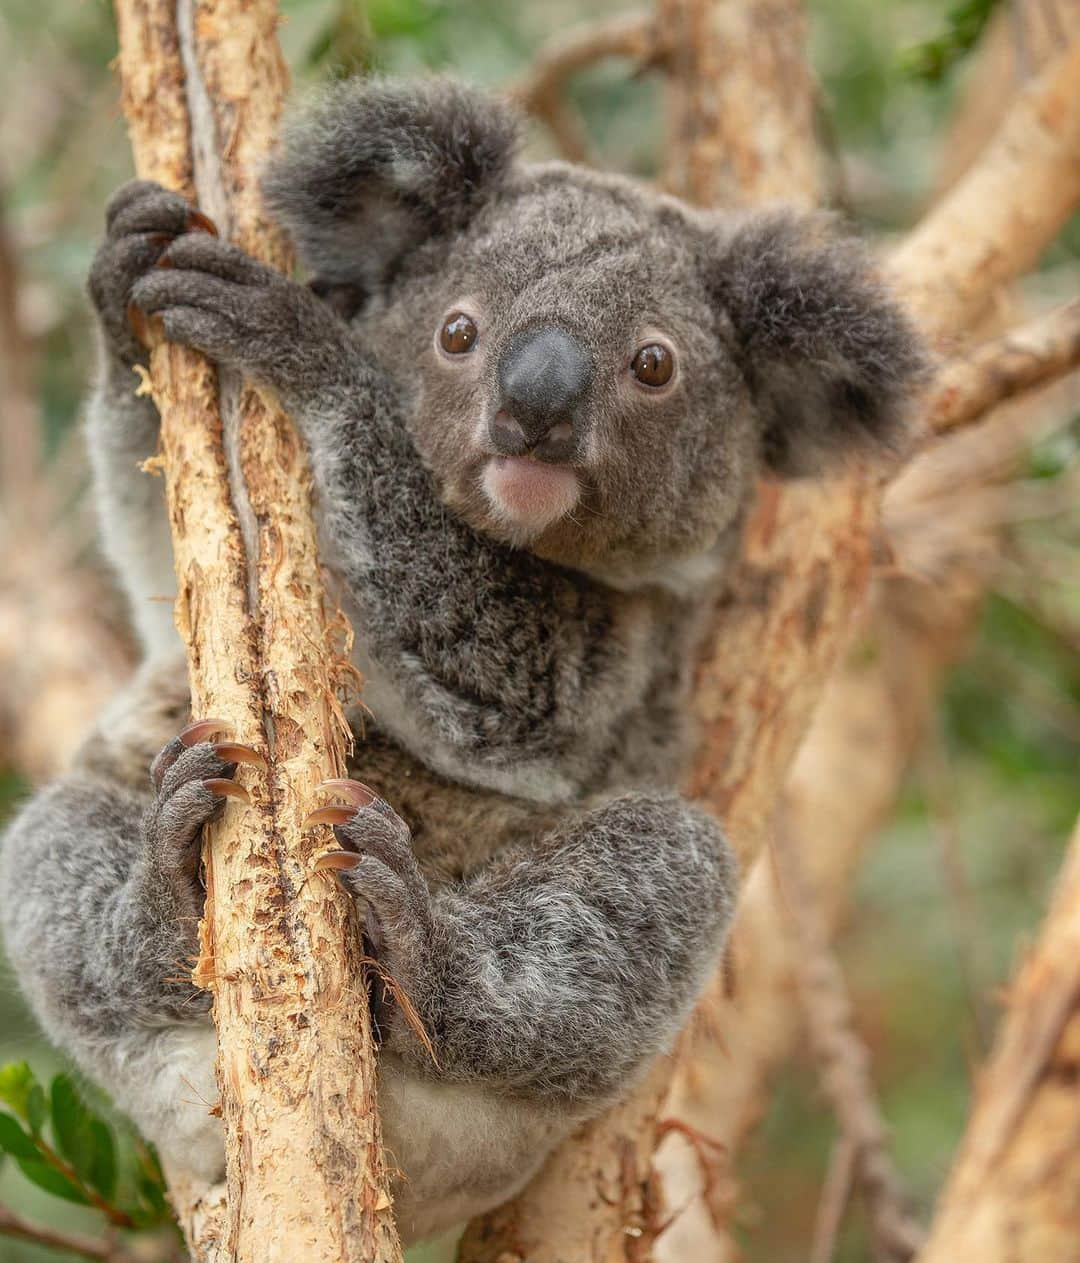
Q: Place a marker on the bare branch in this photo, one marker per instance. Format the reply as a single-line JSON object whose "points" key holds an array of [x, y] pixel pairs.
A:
{"points": [[1007, 208], [203, 87], [100, 1248], [541, 89], [843, 1061], [835, 1195], [967, 387]]}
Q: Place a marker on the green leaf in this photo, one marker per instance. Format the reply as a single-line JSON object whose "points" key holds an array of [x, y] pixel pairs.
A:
{"points": [[15, 1141], [37, 1109], [17, 1082], [38, 1172], [71, 1125], [102, 1172]]}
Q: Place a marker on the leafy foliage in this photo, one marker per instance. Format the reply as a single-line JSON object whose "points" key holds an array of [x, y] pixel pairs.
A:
{"points": [[64, 1147], [933, 60]]}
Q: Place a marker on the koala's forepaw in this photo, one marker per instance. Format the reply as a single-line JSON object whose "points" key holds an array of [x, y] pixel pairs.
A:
{"points": [[141, 221], [213, 297], [192, 779], [376, 865]]}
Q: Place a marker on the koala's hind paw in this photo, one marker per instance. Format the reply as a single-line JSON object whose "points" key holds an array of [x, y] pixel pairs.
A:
{"points": [[377, 866], [192, 779]]}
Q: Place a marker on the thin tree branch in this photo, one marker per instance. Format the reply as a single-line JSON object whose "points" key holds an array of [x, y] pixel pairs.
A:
{"points": [[203, 87], [100, 1248], [541, 89], [843, 1062], [835, 1196], [1034, 355]]}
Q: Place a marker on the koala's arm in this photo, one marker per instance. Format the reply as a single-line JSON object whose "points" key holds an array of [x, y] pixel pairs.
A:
{"points": [[561, 968], [492, 657]]}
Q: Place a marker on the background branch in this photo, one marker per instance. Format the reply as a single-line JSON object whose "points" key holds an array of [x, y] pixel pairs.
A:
{"points": [[968, 386], [843, 1062], [542, 90]]}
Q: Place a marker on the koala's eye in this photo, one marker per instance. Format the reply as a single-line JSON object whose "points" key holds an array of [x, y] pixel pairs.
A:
{"points": [[458, 334], [653, 365]]}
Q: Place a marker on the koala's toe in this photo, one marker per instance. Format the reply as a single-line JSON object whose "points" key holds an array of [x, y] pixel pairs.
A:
{"points": [[199, 252], [125, 195], [150, 209]]}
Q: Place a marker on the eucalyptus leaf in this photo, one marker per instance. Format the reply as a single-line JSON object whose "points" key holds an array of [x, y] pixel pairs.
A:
{"points": [[14, 1140], [38, 1172], [17, 1082], [71, 1124]]}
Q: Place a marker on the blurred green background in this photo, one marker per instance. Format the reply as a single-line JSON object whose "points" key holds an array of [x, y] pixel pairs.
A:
{"points": [[1009, 721]]}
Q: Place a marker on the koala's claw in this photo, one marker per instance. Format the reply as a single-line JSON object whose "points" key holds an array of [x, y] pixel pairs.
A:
{"points": [[200, 729], [192, 781], [221, 787], [376, 863], [232, 752]]}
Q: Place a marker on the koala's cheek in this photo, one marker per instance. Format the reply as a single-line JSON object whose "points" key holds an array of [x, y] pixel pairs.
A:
{"points": [[531, 495]]}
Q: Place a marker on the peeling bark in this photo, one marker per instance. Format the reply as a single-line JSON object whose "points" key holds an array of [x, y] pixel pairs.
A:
{"points": [[281, 950]]}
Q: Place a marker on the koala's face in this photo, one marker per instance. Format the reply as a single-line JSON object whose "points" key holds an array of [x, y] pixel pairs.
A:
{"points": [[591, 371], [569, 385]]}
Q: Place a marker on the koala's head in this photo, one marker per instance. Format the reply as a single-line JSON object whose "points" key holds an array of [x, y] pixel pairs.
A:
{"points": [[593, 371]]}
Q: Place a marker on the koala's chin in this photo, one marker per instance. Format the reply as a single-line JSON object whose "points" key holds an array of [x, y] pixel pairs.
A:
{"points": [[527, 496]]}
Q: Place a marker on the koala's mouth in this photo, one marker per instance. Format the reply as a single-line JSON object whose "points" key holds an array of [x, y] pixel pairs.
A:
{"points": [[530, 494]]}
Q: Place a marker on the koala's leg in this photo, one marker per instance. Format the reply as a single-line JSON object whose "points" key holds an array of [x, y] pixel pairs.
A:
{"points": [[99, 905], [561, 968], [545, 983], [122, 427]]}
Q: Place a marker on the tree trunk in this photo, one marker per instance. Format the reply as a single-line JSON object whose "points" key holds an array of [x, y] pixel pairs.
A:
{"points": [[203, 83]]}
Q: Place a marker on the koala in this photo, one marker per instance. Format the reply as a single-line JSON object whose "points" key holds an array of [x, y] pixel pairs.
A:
{"points": [[537, 401]]}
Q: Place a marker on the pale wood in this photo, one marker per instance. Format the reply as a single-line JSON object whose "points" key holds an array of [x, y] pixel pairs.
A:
{"points": [[742, 100], [999, 218], [305, 1175], [967, 387]]}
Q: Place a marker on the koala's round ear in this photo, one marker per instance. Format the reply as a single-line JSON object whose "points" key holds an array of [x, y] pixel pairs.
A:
{"points": [[831, 360], [371, 168]]}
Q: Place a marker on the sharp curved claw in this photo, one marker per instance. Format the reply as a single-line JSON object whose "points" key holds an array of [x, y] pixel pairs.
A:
{"points": [[337, 860], [231, 752], [352, 791], [329, 815], [221, 788], [201, 729], [198, 222], [138, 323]]}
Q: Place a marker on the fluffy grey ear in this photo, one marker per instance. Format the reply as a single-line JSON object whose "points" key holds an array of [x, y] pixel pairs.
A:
{"points": [[372, 168], [831, 360]]}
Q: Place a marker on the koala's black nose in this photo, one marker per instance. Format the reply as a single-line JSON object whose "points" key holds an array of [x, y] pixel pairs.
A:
{"points": [[543, 376]]}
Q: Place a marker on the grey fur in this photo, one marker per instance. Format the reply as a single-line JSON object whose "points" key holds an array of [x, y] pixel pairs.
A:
{"points": [[538, 888]]}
